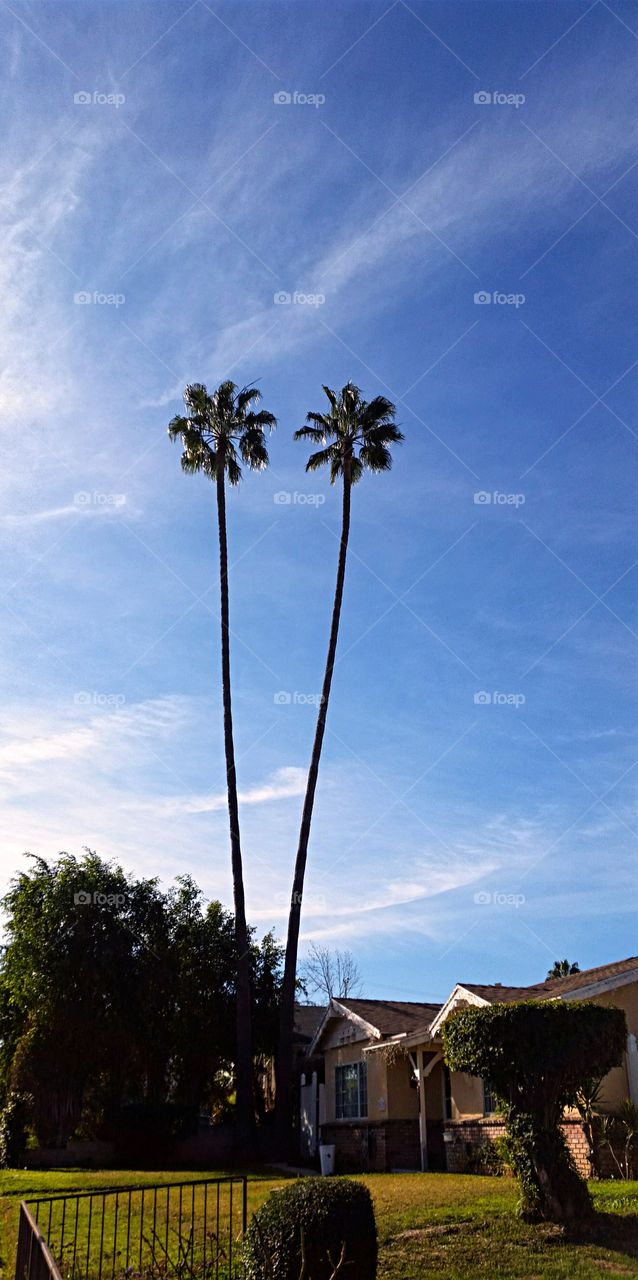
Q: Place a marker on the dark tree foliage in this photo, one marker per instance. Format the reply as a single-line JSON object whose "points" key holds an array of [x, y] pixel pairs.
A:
{"points": [[114, 993], [537, 1055]]}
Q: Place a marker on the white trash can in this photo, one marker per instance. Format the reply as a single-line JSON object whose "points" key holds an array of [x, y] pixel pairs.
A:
{"points": [[327, 1158]]}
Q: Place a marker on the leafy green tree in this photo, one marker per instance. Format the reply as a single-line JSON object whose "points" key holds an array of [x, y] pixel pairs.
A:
{"points": [[114, 993], [355, 436], [217, 430], [563, 969], [537, 1055], [67, 994]]}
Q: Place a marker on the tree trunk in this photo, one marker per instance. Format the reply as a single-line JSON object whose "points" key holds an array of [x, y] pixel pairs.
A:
{"points": [[243, 1064], [285, 1082]]}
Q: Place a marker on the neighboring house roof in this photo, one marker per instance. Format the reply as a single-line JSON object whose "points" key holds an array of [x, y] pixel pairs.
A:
{"points": [[307, 1020], [553, 988], [377, 1019], [575, 986]]}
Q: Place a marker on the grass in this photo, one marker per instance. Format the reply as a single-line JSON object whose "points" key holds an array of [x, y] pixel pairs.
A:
{"points": [[429, 1225]]}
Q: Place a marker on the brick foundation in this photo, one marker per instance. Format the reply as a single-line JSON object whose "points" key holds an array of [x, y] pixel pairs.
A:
{"points": [[377, 1147], [468, 1135]]}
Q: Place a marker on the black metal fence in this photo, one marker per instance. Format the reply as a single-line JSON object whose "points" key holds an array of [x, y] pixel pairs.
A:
{"points": [[172, 1231]]}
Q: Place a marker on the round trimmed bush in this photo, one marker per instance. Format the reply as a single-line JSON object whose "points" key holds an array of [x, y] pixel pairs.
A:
{"points": [[316, 1221]]}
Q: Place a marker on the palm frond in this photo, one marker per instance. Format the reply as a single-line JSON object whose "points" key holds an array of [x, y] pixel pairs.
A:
{"points": [[331, 395], [252, 447], [262, 419], [233, 469], [177, 426], [377, 411], [384, 433], [320, 459], [246, 397], [310, 433], [376, 457]]}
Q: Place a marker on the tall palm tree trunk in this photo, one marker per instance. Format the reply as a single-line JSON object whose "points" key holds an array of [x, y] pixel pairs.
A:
{"points": [[284, 1098], [243, 1066]]}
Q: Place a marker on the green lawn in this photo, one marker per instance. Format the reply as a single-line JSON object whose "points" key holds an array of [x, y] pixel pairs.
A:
{"points": [[430, 1225]]}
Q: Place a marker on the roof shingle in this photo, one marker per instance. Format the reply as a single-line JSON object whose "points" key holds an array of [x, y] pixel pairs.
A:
{"points": [[552, 987]]}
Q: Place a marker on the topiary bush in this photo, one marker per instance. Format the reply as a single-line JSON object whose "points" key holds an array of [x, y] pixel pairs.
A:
{"points": [[315, 1229], [537, 1055]]}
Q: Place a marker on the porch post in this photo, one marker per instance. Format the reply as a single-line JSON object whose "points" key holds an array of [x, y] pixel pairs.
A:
{"points": [[423, 1133], [632, 1067]]}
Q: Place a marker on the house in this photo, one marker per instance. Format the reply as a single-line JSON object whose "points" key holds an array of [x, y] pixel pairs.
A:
{"points": [[369, 1106], [391, 1102]]}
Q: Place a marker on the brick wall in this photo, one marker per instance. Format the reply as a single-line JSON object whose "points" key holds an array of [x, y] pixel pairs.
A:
{"points": [[376, 1147], [467, 1135]]}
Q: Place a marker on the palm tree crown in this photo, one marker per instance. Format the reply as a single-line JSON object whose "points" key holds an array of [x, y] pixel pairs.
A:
{"points": [[563, 969], [355, 434], [222, 424]]}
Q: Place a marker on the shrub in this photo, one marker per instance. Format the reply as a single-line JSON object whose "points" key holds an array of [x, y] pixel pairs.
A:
{"points": [[484, 1157], [537, 1055], [14, 1122], [313, 1230]]}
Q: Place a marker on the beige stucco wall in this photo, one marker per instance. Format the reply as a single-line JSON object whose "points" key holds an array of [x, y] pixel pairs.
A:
{"points": [[467, 1091], [467, 1095], [403, 1097], [434, 1093], [615, 1086], [377, 1079]]}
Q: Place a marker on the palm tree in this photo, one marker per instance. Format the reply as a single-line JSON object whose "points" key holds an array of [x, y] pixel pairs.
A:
{"points": [[355, 437], [563, 969], [216, 432]]}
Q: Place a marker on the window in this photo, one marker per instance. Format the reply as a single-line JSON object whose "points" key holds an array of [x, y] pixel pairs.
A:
{"points": [[351, 1091], [489, 1099]]}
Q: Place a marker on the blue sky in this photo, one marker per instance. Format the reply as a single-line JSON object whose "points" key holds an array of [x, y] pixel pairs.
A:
{"points": [[453, 838]]}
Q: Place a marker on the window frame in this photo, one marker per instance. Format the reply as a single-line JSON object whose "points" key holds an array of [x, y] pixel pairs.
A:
{"points": [[341, 1090]]}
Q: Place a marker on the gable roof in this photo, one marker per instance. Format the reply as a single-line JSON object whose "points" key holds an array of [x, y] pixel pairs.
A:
{"points": [[589, 982], [391, 1017], [377, 1019], [558, 988], [307, 1020]]}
